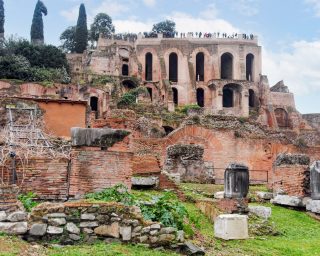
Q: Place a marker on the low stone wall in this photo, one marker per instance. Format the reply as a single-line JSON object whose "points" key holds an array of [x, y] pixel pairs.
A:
{"points": [[71, 223]]}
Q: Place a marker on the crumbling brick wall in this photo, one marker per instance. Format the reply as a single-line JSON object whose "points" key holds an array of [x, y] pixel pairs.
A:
{"points": [[93, 169], [290, 175], [46, 177]]}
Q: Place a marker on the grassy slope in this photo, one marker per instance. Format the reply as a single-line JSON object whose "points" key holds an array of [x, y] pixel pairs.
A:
{"points": [[300, 235]]}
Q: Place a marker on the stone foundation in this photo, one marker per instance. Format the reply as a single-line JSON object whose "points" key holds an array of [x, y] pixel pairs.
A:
{"points": [[71, 223]]}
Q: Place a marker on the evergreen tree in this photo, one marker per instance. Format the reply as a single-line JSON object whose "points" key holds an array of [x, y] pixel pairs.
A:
{"points": [[1, 20], [37, 23], [81, 34]]}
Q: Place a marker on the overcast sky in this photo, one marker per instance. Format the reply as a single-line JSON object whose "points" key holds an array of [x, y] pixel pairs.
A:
{"points": [[288, 30]]}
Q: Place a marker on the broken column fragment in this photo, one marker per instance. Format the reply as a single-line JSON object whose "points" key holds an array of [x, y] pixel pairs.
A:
{"points": [[236, 181], [315, 180]]}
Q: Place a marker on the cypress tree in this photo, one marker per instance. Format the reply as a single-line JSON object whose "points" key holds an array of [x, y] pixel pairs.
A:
{"points": [[81, 35], [1, 20], [37, 23]]}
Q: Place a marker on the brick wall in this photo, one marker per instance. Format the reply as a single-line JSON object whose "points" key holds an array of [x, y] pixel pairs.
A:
{"points": [[146, 164], [93, 169], [290, 178], [48, 178]]}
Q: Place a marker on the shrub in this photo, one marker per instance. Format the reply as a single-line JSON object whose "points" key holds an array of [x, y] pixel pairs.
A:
{"points": [[119, 193], [186, 108], [166, 209], [130, 98], [28, 200]]}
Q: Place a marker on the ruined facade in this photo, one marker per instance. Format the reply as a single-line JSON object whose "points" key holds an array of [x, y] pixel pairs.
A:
{"points": [[241, 118]]}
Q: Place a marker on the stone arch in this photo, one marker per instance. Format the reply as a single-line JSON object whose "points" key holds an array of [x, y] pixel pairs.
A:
{"points": [[148, 66], [231, 95], [200, 66], [175, 96], [252, 98], [226, 61], [200, 97], [249, 67], [282, 118], [168, 129], [173, 67], [125, 70]]}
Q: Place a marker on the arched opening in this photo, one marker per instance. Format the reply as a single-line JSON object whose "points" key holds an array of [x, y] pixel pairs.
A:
{"points": [[94, 103], [282, 118], [226, 66], [249, 67], [173, 67], [128, 84], [148, 66], [200, 67], [251, 98], [125, 70], [168, 129], [231, 96], [150, 92], [200, 97], [175, 96]]}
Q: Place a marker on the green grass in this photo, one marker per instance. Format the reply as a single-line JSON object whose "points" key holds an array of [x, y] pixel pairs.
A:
{"points": [[102, 249], [300, 235], [202, 191]]}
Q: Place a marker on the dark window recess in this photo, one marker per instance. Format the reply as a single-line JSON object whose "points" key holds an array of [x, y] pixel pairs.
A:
{"points": [[227, 98], [173, 67], [200, 97], [148, 66], [200, 67], [150, 92], [175, 96], [251, 98], [249, 67], [94, 103], [226, 66], [125, 70]]}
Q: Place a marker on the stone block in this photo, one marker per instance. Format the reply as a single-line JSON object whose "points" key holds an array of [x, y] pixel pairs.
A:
{"points": [[52, 230], [168, 230], [313, 206], [231, 226], [112, 230], [219, 195], [38, 229], [145, 181], [264, 195], [261, 211], [89, 224], [155, 226], [74, 237], [293, 201], [56, 215], [72, 228], [97, 137], [87, 216], [180, 236], [191, 249], [3, 216], [14, 228], [125, 233], [17, 216], [57, 221]]}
